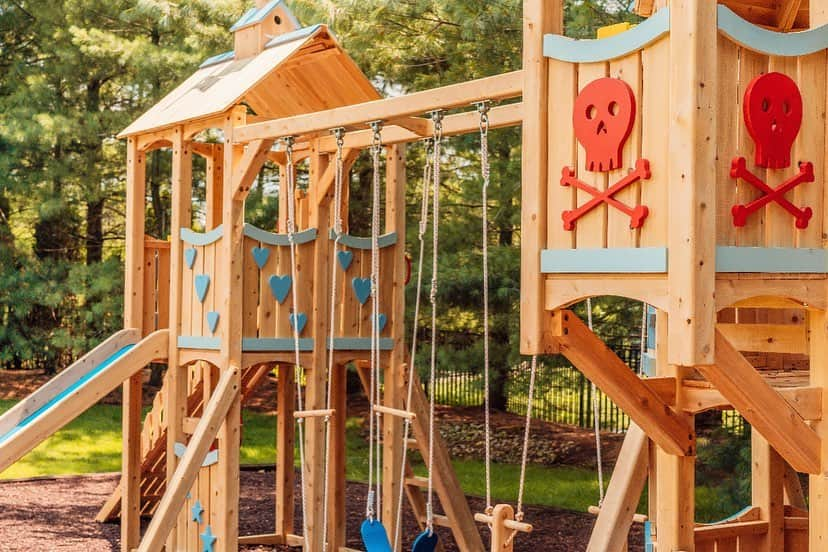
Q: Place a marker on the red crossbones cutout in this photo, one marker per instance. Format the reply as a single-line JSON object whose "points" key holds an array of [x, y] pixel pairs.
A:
{"points": [[773, 117], [603, 117], [637, 214], [738, 169]]}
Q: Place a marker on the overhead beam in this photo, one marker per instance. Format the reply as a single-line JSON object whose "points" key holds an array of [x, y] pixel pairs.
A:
{"points": [[763, 407], [669, 429], [807, 401], [500, 87], [786, 14]]}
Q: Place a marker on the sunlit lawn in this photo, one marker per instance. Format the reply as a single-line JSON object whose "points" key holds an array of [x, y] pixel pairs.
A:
{"points": [[92, 444]]}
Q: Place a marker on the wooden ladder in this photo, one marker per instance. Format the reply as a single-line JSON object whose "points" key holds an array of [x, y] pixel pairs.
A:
{"points": [[457, 515]]}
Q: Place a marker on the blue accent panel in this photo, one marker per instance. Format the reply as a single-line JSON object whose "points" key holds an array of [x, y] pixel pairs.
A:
{"points": [[215, 60], [213, 320], [587, 51], [345, 259], [374, 536], [208, 540], [78, 384], [425, 542], [353, 242], [382, 321], [280, 287], [652, 316], [202, 284], [298, 321], [604, 261], [260, 256], [190, 257], [648, 365], [769, 42], [298, 34], [199, 342], [277, 344], [283, 240], [648, 537], [197, 238], [771, 259], [362, 289], [360, 344]]}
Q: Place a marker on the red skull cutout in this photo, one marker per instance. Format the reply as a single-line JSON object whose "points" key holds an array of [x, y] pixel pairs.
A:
{"points": [[773, 116], [603, 119]]}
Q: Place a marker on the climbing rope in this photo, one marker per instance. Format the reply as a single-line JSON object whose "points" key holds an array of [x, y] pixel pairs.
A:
{"points": [[485, 170], [412, 366], [437, 119], [596, 422], [339, 133], [291, 229]]}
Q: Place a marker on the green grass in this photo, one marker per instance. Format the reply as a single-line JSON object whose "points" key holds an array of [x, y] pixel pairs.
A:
{"points": [[92, 444]]}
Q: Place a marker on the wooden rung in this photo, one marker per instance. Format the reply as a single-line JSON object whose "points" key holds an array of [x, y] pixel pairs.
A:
{"points": [[508, 523], [412, 443], [394, 412], [637, 518], [417, 481], [313, 413], [442, 521]]}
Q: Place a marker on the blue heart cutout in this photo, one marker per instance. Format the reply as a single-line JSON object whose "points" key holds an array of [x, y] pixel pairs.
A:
{"points": [[202, 284], [190, 257], [298, 321], [213, 320], [345, 259], [261, 255], [362, 288], [382, 320], [425, 542], [374, 536], [280, 287]]}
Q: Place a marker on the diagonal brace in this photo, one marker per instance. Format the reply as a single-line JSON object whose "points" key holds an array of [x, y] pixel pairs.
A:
{"points": [[670, 430], [764, 407], [254, 158]]}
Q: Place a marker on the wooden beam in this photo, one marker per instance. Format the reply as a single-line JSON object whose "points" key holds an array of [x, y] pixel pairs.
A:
{"points": [[669, 429], [786, 14], [807, 401], [767, 338], [249, 166], [500, 87], [763, 407], [227, 391], [767, 491], [794, 495], [418, 125], [612, 528], [325, 184]]}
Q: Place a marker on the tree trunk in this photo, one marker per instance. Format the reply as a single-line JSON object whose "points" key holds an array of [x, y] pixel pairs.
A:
{"points": [[94, 231]]}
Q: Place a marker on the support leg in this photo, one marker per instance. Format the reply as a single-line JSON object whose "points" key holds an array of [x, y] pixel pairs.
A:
{"points": [[767, 484], [285, 441], [818, 484]]}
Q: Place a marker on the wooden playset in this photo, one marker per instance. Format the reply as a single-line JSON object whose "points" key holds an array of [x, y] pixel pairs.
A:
{"points": [[680, 162]]}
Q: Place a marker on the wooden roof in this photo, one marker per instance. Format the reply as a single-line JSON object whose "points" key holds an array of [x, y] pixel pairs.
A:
{"points": [[298, 72], [780, 15]]}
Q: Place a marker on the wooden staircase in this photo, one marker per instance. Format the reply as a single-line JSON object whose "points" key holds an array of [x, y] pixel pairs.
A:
{"points": [[154, 440]]}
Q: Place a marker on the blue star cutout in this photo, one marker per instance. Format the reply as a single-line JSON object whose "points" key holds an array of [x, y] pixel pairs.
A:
{"points": [[197, 510], [207, 540]]}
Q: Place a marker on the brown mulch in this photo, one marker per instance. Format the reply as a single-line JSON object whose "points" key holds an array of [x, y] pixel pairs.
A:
{"points": [[58, 515]]}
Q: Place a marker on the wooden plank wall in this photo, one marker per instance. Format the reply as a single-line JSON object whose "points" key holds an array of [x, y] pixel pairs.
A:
{"points": [[156, 311], [194, 312], [645, 72], [771, 226]]}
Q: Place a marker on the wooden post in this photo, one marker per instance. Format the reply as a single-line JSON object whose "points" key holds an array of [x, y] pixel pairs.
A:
{"points": [[285, 440], [539, 18], [229, 297], [394, 369], [818, 483], [215, 186], [767, 487], [176, 378], [133, 318], [337, 499]]}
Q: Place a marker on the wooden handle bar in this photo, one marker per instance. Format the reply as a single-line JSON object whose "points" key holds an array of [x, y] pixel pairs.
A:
{"points": [[313, 413], [508, 523], [394, 411], [637, 518]]}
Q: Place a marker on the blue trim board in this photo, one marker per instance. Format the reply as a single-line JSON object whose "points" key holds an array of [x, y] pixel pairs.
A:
{"points": [[360, 344], [648, 365], [215, 60], [282, 240], [78, 384], [275, 344], [774, 260], [588, 51], [199, 342], [304, 32], [257, 15], [353, 242], [604, 261], [770, 42], [199, 239]]}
